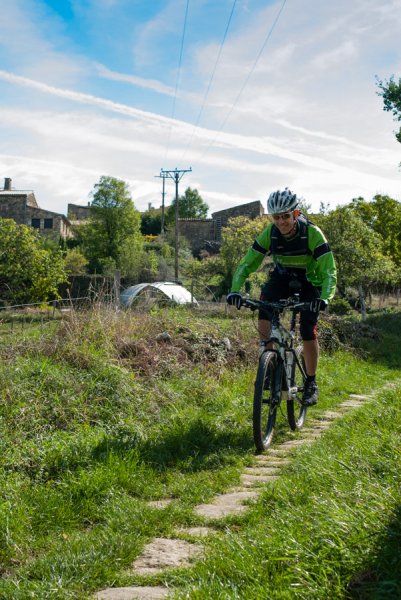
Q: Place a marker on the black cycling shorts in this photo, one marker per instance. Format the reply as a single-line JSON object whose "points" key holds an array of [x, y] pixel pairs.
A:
{"points": [[278, 287]]}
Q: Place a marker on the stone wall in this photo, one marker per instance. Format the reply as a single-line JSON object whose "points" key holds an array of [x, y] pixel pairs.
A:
{"points": [[13, 206], [48, 223], [24, 210], [197, 232], [200, 231], [252, 210], [77, 212]]}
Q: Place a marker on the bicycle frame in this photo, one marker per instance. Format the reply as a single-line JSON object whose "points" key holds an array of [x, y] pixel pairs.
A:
{"points": [[282, 342], [278, 376]]}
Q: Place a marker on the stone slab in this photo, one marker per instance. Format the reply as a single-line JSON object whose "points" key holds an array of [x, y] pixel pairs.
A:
{"points": [[133, 593], [293, 443], [226, 504], [160, 503], [261, 471], [273, 461], [331, 415], [163, 553], [251, 480]]}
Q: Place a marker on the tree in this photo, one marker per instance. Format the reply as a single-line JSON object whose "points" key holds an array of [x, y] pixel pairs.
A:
{"points": [[391, 93], [190, 206], [28, 271], [75, 262], [383, 215], [358, 250], [113, 225], [151, 222]]}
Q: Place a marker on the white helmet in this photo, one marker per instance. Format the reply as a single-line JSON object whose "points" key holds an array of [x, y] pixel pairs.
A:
{"points": [[282, 201]]}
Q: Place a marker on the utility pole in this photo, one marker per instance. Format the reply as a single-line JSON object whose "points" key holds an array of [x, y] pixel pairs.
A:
{"points": [[176, 175], [162, 176]]}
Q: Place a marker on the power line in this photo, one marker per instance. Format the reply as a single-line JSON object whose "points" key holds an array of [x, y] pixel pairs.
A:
{"points": [[267, 38], [178, 77], [211, 79]]}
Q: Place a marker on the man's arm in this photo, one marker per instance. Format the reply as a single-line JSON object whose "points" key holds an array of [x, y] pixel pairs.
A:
{"points": [[326, 265], [252, 259]]}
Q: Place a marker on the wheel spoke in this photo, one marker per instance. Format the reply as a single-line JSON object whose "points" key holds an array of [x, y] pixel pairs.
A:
{"points": [[296, 412]]}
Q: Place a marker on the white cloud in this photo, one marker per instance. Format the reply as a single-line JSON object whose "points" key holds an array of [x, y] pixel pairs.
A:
{"points": [[308, 118], [80, 97], [150, 84], [335, 56]]}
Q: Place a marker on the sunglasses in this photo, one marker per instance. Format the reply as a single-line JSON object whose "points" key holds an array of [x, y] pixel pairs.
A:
{"points": [[284, 216]]}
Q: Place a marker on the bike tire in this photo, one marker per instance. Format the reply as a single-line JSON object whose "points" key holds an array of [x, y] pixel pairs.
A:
{"points": [[296, 412], [264, 410]]}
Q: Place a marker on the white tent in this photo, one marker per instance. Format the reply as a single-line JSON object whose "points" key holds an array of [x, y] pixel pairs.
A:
{"points": [[176, 293]]}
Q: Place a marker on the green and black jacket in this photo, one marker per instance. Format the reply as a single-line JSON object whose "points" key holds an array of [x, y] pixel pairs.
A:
{"points": [[308, 253]]}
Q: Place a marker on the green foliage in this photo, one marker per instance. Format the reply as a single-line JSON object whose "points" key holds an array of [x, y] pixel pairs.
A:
{"points": [[340, 306], [190, 206], [383, 215], [113, 228], [391, 93], [151, 221], [358, 250], [28, 271], [75, 262]]}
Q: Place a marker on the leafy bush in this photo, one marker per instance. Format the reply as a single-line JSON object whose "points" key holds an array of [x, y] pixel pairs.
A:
{"points": [[340, 306]]}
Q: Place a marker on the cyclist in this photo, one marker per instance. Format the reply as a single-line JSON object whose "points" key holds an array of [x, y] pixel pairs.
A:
{"points": [[303, 262]]}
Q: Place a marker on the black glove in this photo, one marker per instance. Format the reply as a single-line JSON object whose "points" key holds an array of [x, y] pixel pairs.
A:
{"points": [[317, 305], [234, 299]]}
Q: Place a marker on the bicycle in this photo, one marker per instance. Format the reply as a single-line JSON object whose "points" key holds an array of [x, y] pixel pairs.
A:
{"points": [[281, 372]]}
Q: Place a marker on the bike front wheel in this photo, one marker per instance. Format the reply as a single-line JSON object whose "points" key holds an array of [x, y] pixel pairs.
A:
{"points": [[296, 412], [265, 403]]}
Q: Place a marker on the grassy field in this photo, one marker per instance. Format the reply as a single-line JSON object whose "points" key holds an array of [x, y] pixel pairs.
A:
{"points": [[112, 410]]}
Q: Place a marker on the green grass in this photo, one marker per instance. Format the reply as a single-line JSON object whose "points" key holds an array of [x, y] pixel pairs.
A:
{"points": [[329, 528], [88, 436]]}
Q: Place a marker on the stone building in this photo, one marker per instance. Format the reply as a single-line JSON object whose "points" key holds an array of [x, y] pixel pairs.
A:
{"points": [[78, 212], [202, 233], [22, 207], [198, 232], [252, 210]]}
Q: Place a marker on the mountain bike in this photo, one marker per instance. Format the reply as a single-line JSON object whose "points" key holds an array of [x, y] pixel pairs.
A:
{"points": [[281, 372]]}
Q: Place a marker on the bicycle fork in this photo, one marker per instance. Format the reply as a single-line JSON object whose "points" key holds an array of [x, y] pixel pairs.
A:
{"points": [[287, 391]]}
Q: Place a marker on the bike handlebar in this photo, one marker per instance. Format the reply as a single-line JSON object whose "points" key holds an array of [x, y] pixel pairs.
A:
{"points": [[280, 305]]}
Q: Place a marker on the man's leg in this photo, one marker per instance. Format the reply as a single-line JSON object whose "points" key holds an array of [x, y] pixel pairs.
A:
{"points": [[274, 289], [264, 327], [311, 355]]}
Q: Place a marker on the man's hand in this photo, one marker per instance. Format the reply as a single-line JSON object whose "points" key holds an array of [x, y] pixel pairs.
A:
{"points": [[317, 305], [234, 299]]}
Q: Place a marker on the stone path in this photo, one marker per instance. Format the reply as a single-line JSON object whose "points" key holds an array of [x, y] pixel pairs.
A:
{"points": [[161, 554]]}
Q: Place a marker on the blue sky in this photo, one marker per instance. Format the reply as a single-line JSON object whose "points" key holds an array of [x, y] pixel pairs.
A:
{"points": [[92, 87]]}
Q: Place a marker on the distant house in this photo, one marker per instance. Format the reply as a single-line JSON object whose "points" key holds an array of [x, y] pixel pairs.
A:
{"points": [[203, 234], [77, 212], [22, 207]]}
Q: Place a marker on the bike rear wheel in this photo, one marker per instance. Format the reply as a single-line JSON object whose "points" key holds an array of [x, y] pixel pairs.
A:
{"points": [[265, 402], [296, 412]]}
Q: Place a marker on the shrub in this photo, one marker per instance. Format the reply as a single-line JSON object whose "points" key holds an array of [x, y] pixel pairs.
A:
{"points": [[340, 306]]}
